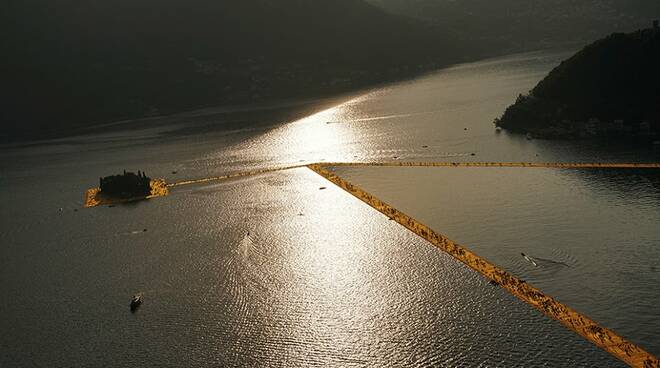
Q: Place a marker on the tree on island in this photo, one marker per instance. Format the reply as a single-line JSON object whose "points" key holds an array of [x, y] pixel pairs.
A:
{"points": [[126, 185]]}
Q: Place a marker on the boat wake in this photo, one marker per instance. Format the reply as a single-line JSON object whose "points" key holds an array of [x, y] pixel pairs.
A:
{"points": [[542, 262]]}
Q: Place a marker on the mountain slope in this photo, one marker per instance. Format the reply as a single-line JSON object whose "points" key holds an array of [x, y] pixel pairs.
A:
{"points": [[516, 25], [73, 62]]}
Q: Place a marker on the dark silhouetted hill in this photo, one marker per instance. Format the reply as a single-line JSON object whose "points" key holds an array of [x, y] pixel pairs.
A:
{"points": [[71, 63], [610, 87]]}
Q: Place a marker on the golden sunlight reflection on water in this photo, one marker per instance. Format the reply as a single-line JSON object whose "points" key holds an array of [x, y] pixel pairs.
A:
{"points": [[332, 266], [320, 280], [319, 136], [324, 136]]}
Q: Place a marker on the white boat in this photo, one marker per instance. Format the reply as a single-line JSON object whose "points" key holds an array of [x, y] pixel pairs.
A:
{"points": [[136, 301]]}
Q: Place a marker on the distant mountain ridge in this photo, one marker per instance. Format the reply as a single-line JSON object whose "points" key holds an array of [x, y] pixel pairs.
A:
{"points": [[610, 87], [520, 25], [72, 62]]}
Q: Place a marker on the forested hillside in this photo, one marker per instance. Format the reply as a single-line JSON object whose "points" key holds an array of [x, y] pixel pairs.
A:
{"points": [[611, 87]]}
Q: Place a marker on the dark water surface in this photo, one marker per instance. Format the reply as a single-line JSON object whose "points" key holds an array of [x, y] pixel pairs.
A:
{"points": [[591, 235], [337, 285]]}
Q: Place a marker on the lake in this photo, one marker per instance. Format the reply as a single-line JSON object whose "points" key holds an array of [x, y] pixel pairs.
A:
{"points": [[271, 271]]}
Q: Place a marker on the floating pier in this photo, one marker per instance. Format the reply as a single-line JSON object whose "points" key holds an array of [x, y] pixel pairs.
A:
{"points": [[624, 350]]}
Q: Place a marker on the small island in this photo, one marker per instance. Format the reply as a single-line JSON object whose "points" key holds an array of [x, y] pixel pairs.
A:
{"points": [[125, 187], [611, 88]]}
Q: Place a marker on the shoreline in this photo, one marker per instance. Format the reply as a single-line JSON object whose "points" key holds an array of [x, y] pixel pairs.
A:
{"points": [[293, 107]]}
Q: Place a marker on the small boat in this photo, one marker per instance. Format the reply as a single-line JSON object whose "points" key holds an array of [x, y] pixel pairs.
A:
{"points": [[136, 301], [529, 136], [529, 259]]}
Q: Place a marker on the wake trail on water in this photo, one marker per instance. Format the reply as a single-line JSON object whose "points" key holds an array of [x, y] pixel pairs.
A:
{"points": [[541, 262], [550, 261], [130, 233]]}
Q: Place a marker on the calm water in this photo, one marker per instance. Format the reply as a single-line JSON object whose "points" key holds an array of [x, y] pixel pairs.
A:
{"points": [[593, 235], [265, 271], [336, 285]]}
